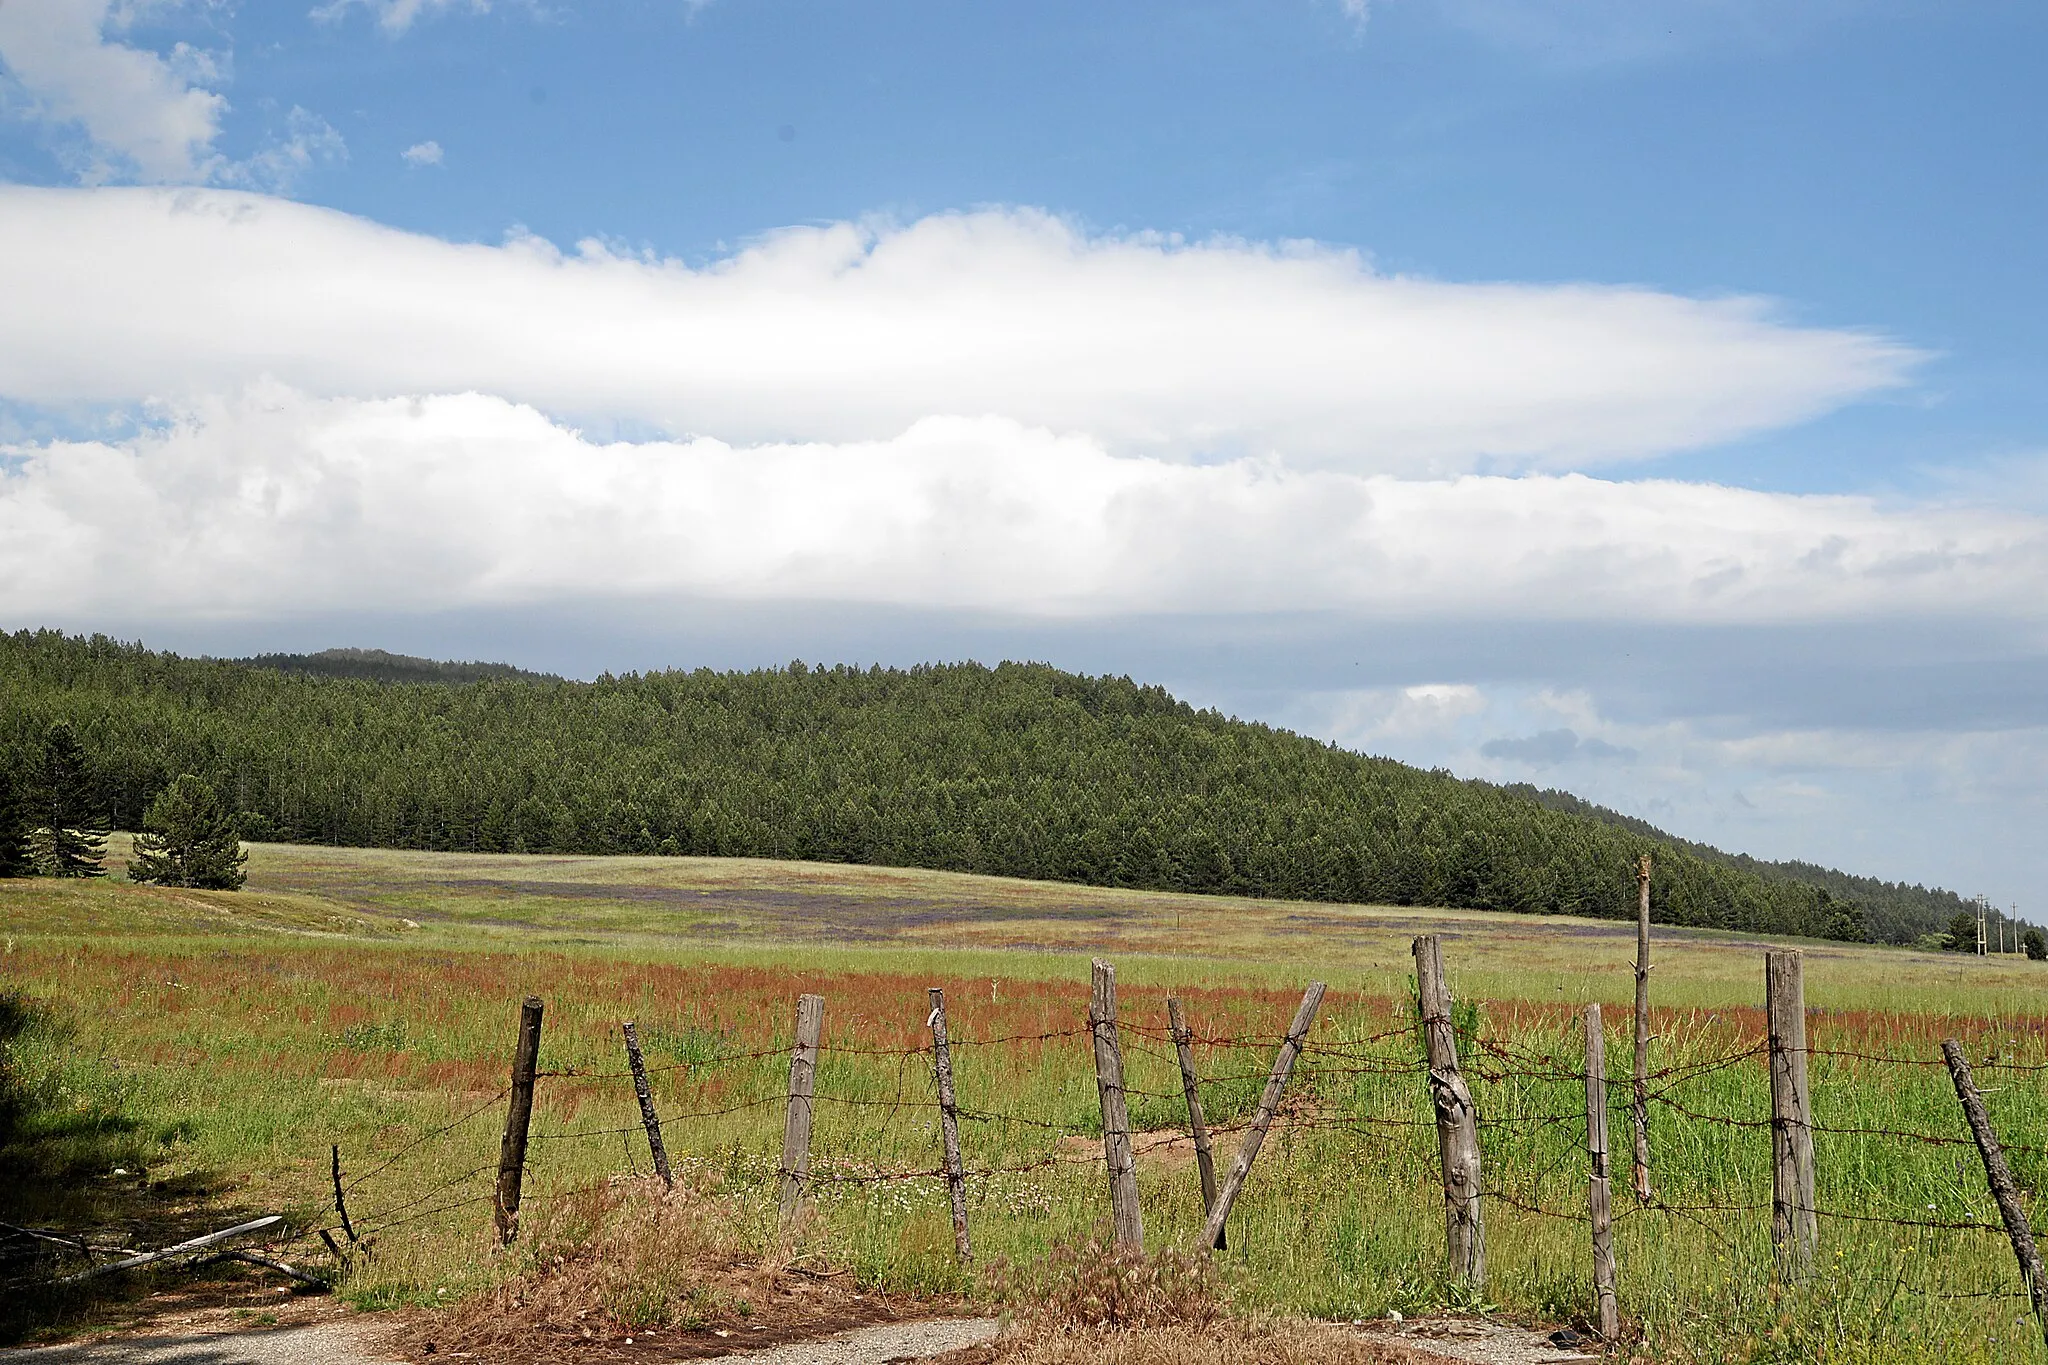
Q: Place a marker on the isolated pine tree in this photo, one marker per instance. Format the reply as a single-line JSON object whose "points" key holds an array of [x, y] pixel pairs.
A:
{"points": [[188, 839], [1962, 933], [16, 822], [75, 831]]}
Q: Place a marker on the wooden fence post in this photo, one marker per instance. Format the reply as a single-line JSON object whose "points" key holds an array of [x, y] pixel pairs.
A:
{"points": [[645, 1094], [1198, 1123], [1640, 1108], [796, 1127], [1276, 1082], [1116, 1116], [1457, 1121], [518, 1117], [1599, 1194], [1795, 1226], [1999, 1176], [949, 1123], [341, 1202]]}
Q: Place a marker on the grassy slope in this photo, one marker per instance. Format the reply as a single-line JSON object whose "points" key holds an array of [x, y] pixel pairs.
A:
{"points": [[221, 1041], [897, 918]]}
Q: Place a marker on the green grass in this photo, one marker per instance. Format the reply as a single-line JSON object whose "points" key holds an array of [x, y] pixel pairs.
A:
{"points": [[212, 1045]]}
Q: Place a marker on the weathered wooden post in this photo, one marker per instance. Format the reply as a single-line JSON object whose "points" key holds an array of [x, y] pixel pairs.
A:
{"points": [[1999, 1176], [1599, 1195], [1457, 1120], [518, 1117], [1640, 1106], [796, 1126], [1269, 1102], [645, 1093], [1795, 1225], [949, 1123], [340, 1200], [1198, 1123], [1129, 1227]]}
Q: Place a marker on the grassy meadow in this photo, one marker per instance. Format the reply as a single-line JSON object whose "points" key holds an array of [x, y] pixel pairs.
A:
{"points": [[178, 1058]]}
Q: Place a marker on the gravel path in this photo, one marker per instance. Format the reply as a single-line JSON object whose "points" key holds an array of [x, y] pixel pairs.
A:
{"points": [[324, 1343], [351, 1343], [875, 1345]]}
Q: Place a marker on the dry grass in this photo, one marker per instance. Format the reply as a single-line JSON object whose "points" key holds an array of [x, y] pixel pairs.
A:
{"points": [[1090, 1301], [628, 1272], [1233, 1341]]}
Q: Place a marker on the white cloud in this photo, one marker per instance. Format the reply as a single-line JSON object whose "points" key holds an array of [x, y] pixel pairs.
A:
{"points": [[396, 16], [144, 114], [422, 154], [309, 141], [849, 333], [280, 503]]}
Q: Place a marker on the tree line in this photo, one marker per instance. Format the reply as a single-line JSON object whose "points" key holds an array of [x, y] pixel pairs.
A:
{"points": [[1018, 769]]}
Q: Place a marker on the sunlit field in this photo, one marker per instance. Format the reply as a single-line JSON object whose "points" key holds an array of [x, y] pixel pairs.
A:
{"points": [[214, 1046]]}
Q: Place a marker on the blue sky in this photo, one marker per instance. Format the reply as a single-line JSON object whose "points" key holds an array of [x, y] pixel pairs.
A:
{"points": [[1637, 398]]}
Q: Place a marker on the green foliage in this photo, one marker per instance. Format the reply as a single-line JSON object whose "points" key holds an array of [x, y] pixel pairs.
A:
{"points": [[1018, 770], [74, 826], [188, 840], [16, 824], [377, 665], [1962, 933], [2035, 944]]}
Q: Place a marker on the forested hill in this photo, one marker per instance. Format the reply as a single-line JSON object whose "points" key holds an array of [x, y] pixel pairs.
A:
{"points": [[1895, 912], [377, 665], [1019, 769]]}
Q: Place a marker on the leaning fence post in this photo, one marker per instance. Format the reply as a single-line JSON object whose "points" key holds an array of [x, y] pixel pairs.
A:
{"points": [[1599, 1194], [1457, 1120], [645, 1094], [1116, 1116], [340, 1201], [518, 1117], [1276, 1082], [949, 1123], [1198, 1123], [1795, 1226], [803, 1079], [1999, 1176], [1640, 1107]]}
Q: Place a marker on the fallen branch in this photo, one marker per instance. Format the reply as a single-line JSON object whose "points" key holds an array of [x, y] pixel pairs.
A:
{"points": [[251, 1258], [182, 1248]]}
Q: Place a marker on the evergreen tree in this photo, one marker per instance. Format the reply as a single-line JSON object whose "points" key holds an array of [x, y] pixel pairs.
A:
{"points": [[188, 839], [2035, 944], [15, 825], [1962, 933], [75, 828]]}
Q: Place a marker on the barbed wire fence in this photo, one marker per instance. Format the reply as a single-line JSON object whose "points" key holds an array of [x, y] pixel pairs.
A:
{"points": [[1505, 1135]]}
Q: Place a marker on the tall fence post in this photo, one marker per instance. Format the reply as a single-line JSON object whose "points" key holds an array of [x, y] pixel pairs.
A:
{"points": [[1795, 1226], [645, 1094], [1599, 1193], [949, 1123], [518, 1117], [1116, 1117], [1198, 1123], [1999, 1176], [796, 1126], [1640, 1104], [1269, 1102], [1457, 1120]]}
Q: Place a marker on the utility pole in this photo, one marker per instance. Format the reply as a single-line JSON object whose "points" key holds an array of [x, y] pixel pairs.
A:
{"points": [[1981, 906]]}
